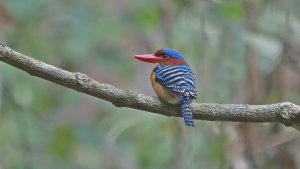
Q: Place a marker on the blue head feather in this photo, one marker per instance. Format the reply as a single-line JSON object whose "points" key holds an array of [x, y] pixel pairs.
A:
{"points": [[173, 53]]}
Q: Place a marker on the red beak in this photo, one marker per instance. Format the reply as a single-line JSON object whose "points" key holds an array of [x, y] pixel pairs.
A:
{"points": [[148, 58]]}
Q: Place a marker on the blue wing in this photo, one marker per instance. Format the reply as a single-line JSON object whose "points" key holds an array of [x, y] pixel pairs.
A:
{"points": [[179, 80]]}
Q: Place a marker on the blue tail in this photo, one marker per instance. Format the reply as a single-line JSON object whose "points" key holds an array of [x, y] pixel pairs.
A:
{"points": [[187, 112]]}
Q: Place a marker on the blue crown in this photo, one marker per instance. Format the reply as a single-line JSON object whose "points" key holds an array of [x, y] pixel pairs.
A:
{"points": [[173, 53]]}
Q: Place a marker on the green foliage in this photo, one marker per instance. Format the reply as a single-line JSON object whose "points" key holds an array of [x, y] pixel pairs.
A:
{"points": [[45, 125], [62, 142], [25, 11], [232, 11]]}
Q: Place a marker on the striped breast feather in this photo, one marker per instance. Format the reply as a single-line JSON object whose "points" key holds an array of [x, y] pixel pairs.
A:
{"points": [[179, 80]]}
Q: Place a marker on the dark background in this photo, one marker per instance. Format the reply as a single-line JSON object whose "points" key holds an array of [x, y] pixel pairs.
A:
{"points": [[241, 51]]}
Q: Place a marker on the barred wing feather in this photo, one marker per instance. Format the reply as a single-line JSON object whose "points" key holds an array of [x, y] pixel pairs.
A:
{"points": [[179, 80]]}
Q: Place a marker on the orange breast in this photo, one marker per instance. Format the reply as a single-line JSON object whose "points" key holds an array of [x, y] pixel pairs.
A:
{"points": [[162, 92]]}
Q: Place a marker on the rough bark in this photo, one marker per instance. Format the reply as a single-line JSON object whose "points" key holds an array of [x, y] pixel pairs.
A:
{"points": [[285, 112]]}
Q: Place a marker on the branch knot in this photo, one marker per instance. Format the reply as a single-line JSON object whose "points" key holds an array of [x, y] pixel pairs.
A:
{"points": [[81, 79], [4, 50]]}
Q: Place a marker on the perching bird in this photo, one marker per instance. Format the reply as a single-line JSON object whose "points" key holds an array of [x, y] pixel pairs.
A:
{"points": [[172, 80]]}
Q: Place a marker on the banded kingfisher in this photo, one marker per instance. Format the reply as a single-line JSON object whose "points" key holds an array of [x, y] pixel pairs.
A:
{"points": [[172, 80]]}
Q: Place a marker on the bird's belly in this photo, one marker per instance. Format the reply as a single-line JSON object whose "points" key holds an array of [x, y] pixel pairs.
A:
{"points": [[174, 100], [162, 92]]}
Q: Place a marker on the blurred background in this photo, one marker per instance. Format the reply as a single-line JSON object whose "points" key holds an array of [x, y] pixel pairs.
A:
{"points": [[241, 51]]}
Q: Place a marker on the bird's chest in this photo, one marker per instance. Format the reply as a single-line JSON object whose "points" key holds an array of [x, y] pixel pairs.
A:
{"points": [[162, 92]]}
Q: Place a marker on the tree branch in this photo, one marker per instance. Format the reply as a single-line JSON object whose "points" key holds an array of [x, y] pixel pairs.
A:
{"points": [[286, 113]]}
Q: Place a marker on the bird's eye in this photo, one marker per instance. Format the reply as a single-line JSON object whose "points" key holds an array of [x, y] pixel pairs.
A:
{"points": [[165, 56]]}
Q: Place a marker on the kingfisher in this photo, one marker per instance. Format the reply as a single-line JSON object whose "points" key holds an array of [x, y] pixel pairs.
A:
{"points": [[172, 80]]}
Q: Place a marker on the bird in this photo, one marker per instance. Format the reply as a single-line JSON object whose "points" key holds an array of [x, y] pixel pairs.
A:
{"points": [[172, 80]]}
